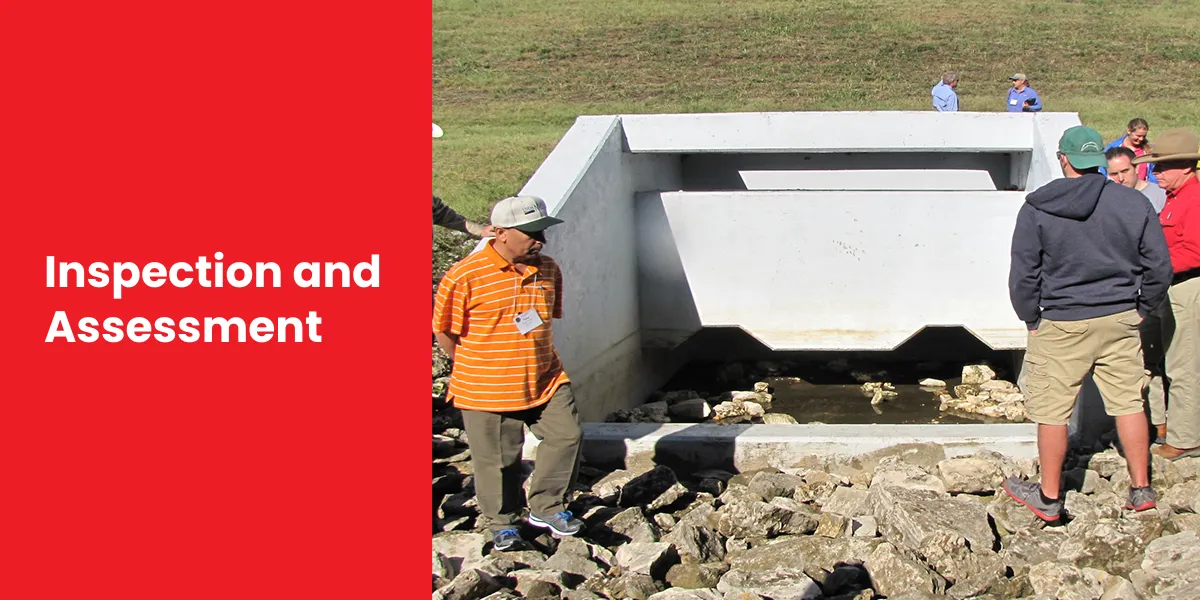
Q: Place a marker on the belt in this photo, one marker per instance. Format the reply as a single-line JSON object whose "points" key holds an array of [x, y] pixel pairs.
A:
{"points": [[1185, 275]]}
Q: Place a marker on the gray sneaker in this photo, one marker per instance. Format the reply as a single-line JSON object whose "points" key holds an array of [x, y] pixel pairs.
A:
{"points": [[506, 539], [1141, 499], [560, 523], [1030, 494]]}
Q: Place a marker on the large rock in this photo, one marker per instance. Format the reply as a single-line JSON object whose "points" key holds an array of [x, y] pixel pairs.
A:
{"points": [[907, 517], [579, 557], [1182, 522], [1032, 546], [977, 374], [779, 419], [499, 564], [894, 473], [471, 584], [696, 543], [637, 586], [632, 525], [949, 555], [1011, 516], [689, 594], [542, 583], [893, 572], [1107, 463], [1170, 568], [463, 549], [608, 489], [1186, 469], [1120, 588], [695, 576], [779, 584], [754, 519], [848, 502], [832, 525], [1111, 545], [1066, 582], [646, 558], [695, 408], [1183, 497], [442, 567], [773, 485], [804, 553], [970, 474]]}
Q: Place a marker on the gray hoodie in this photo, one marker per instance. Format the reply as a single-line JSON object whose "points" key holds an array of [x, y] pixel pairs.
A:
{"points": [[1086, 247]]}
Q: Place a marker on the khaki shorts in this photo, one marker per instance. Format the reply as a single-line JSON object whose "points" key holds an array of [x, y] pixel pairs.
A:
{"points": [[1062, 353]]}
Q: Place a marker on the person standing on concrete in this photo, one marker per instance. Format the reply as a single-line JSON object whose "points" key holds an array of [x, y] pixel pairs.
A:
{"points": [[1174, 156], [492, 317], [1122, 171], [1137, 141], [1021, 97], [1088, 263], [945, 98]]}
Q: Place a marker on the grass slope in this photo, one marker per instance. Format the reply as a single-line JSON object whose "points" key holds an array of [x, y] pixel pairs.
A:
{"points": [[510, 76]]}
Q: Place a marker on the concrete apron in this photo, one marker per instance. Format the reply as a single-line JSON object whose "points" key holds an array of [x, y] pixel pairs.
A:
{"points": [[748, 447]]}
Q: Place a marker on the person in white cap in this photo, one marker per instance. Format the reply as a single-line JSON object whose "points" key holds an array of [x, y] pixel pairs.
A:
{"points": [[492, 316]]}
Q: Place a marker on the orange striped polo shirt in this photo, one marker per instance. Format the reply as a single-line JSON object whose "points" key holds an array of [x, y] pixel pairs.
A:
{"points": [[496, 368]]}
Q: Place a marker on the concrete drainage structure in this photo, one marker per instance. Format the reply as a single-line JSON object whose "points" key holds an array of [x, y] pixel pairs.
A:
{"points": [[811, 231]]}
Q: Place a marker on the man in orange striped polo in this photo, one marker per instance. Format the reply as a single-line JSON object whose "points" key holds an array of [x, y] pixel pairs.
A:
{"points": [[492, 317]]}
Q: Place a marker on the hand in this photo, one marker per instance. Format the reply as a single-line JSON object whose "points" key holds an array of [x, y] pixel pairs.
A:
{"points": [[487, 231], [1032, 332]]}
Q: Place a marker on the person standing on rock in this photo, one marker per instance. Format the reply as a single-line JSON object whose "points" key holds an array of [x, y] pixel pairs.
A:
{"points": [[1122, 170], [1174, 156], [1089, 262], [492, 316]]}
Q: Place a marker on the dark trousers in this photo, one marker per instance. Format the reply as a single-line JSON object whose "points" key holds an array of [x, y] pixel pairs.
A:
{"points": [[496, 440]]}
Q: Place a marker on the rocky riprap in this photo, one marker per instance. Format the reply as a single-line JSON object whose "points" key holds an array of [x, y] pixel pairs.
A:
{"points": [[903, 523]]}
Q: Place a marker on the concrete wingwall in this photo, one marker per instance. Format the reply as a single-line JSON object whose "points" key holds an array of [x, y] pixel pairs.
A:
{"points": [[589, 181]]}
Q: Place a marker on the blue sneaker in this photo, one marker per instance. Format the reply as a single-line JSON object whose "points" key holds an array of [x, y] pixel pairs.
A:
{"points": [[505, 539], [561, 523]]}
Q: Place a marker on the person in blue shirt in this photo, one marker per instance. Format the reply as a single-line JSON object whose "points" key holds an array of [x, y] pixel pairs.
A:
{"points": [[1022, 98], [1136, 141], [945, 99]]}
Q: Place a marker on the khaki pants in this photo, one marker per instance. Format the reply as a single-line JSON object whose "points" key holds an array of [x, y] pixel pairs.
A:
{"points": [[496, 440], [1181, 330], [1062, 353], [1152, 351]]}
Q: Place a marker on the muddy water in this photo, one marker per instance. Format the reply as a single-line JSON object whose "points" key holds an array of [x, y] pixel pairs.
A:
{"points": [[826, 392]]}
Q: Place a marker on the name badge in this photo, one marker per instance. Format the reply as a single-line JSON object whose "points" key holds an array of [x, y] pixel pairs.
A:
{"points": [[1013, 102], [527, 321]]}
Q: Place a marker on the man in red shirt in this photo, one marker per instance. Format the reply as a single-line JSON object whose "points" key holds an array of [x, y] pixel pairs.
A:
{"points": [[1174, 157]]}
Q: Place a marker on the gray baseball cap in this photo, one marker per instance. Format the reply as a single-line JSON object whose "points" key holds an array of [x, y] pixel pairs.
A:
{"points": [[525, 213]]}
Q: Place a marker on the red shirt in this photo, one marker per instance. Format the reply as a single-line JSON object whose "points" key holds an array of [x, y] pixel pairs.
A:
{"points": [[1180, 219]]}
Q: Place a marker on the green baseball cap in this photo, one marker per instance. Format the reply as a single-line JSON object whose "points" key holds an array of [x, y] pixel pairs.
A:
{"points": [[1083, 147]]}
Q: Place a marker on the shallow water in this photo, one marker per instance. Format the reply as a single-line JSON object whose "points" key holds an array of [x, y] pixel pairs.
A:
{"points": [[847, 404], [816, 392]]}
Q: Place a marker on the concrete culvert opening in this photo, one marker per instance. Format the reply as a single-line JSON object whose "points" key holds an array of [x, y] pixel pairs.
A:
{"points": [[832, 387]]}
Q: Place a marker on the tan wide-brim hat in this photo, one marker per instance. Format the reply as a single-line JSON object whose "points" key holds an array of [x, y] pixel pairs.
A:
{"points": [[1171, 145]]}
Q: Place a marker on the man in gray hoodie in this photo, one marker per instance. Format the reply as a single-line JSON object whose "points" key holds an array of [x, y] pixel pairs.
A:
{"points": [[1089, 262]]}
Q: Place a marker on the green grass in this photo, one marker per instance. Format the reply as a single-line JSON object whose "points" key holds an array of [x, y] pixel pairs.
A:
{"points": [[510, 76]]}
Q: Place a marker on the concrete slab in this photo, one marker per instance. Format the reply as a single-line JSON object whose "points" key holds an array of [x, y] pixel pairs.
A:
{"points": [[747, 447]]}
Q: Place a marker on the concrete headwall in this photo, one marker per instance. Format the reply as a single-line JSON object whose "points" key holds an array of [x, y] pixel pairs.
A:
{"points": [[589, 182]]}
